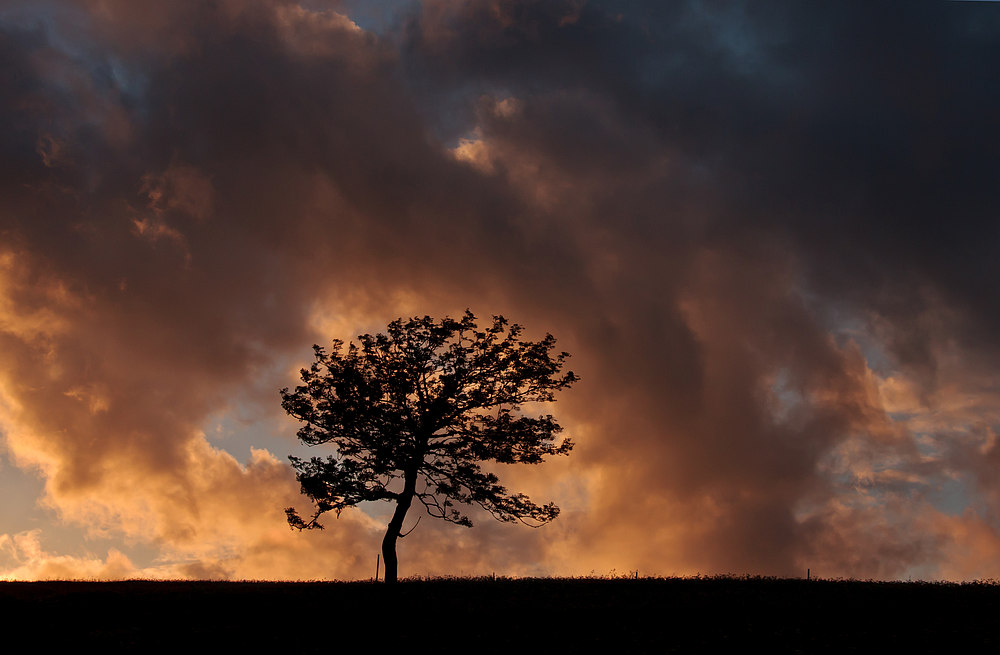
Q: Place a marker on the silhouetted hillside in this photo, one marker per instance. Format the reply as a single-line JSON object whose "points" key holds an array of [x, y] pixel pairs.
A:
{"points": [[529, 615]]}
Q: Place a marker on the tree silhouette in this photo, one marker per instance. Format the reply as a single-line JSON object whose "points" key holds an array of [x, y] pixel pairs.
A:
{"points": [[413, 412]]}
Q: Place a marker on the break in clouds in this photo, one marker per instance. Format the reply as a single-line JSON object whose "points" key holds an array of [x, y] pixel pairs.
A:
{"points": [[765, 231]]}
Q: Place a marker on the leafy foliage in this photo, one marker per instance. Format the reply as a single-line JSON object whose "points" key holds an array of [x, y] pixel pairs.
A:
{"points": [[412, 413]]}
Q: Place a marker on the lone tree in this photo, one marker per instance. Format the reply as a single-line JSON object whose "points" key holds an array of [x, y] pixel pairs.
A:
{"points": [[413, 412]]}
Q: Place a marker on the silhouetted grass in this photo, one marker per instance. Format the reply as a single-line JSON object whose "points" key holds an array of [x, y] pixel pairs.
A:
{"points": [[568, 615]]}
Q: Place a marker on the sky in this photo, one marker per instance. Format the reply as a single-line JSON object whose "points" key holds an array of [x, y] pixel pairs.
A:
{"points": [[765, 231]]}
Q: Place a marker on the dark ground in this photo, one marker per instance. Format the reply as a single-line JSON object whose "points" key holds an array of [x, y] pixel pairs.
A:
{"points": [[508, 616]]}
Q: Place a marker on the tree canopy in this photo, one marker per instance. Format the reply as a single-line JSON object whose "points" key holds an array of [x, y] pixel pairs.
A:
{"points": [[413, 413]]}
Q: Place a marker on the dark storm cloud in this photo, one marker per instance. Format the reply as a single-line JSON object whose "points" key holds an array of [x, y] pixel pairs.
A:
{"points": [[841, 142], [730, 213], [858, 130]]}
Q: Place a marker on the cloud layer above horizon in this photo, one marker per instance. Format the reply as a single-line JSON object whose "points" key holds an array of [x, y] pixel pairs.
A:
{"points": [[767, 233]]}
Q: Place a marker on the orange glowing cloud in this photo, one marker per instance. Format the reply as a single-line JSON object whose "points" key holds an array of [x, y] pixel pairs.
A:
{"points": [[786, 362]]}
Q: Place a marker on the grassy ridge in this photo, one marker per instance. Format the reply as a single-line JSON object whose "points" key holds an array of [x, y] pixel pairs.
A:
{"points": [[527, 615]]}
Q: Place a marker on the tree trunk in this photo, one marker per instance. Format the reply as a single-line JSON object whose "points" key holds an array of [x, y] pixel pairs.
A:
{"points": [[395, 526]]}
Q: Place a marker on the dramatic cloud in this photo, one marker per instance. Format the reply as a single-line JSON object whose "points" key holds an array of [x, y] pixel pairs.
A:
{"points": [[766, 232]]}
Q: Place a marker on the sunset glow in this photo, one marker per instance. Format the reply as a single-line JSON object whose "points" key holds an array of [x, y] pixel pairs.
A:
{"points": [[766, 232]]}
